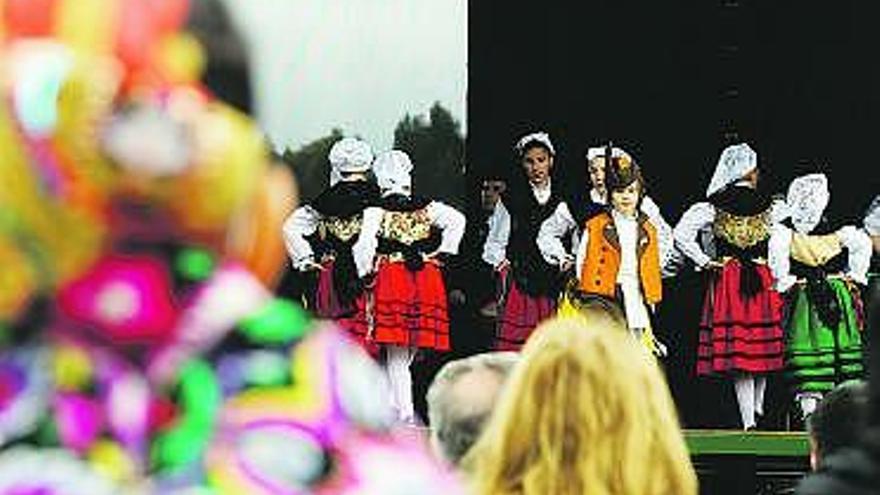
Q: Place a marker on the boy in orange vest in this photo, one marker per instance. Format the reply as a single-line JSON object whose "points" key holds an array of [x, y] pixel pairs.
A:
{"points": [[619, 257]]}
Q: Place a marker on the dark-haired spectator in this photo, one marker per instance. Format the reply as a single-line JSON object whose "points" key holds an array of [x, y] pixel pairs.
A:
{"points": [[838, 421]]}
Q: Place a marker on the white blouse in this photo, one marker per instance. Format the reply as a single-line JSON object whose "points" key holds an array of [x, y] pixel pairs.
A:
{"points": [[856, 241], [561, 223], [699, 217], [302, 223], [495, 246], [450, 221]]}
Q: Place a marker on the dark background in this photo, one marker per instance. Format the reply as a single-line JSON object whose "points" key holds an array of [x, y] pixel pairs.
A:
{"points": [[675, 81]]}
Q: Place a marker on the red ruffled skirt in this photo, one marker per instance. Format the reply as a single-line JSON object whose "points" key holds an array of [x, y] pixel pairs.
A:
{"points": [[409, 307], [738, 334], [520, 314]]}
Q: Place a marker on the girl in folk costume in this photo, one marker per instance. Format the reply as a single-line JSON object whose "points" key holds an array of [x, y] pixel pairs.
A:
{"points": [[815, 265], [320, 236], [740, 326], [618, 256], [529, 286], [403, 242]]}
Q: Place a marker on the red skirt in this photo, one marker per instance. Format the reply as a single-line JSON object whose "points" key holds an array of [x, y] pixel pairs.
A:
{"points": [[520, 314], [738, 334], [409, 307], [351, 316]]}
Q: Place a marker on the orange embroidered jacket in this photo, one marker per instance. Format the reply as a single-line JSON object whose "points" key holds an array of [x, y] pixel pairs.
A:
{"points": [[602, 260]]}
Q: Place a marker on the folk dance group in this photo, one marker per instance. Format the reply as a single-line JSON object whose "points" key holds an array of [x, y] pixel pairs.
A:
{"points": [[782, 289]]}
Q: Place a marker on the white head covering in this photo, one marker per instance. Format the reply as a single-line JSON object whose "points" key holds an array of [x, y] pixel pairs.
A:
{"points": [[392, 170], [872, 219], [536, 137], [735, 163], [598, 151], [349, 155], [807, 198]]}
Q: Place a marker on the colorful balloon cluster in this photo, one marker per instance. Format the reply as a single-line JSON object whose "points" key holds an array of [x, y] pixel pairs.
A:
{"points": [[142, 349]]}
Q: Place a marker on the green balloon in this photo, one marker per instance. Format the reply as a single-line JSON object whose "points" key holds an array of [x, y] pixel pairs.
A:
{"points": [[279, 322]]}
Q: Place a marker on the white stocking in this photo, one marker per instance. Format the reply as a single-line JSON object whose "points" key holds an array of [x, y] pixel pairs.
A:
{"points": [[760, 388], [745, 398], [397, 362], [808, 402]]}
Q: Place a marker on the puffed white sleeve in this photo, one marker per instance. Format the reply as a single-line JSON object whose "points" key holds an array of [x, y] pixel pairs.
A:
{"points": [[779, 210], [779, 257], [665, 241], [364, 249], [495, 246], [302, 223], [551, 233], [452, 223], [685, 232], [581, 255], [860, 247]]}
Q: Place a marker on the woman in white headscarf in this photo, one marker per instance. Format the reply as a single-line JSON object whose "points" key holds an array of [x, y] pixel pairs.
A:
{"points": [[740, 327], [817, 267], [320, 235], [404, 243]]}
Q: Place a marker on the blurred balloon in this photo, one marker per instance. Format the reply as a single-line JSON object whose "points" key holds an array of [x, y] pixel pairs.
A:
{"points": [[24, 18]]}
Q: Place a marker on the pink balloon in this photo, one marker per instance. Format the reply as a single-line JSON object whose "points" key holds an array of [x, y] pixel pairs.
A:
{"points": [[79, 421], [169, 15], [136, 33]]}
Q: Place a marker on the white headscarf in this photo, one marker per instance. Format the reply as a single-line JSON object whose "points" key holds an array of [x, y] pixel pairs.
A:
{"points": [[392, 170], [735, 163], [536, 137], [872, 219], [807, 199], [349, 155], [598, 151]]}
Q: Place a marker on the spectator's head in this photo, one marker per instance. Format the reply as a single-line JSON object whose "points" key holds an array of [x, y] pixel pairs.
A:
{"points": [[461, 399], [586, 411], [490, 193], [838, 420]]}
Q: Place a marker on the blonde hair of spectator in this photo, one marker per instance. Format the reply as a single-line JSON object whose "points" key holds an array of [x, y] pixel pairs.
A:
{"points": [[585, 411]]}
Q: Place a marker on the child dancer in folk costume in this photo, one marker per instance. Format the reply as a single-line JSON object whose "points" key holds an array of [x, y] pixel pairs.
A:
{"points": [[815, 265], [740, 327], [618, 256], [404, 242], [529, 286], [320, 236], [563, 223]]}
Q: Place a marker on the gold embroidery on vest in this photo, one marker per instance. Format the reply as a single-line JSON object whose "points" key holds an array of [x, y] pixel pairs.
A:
{"points": [[742, 231], [343, 229], [814, 250], [406, 227]]}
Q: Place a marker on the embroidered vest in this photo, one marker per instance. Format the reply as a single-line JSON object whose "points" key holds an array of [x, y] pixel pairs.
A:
{"points": [[602, 262]]}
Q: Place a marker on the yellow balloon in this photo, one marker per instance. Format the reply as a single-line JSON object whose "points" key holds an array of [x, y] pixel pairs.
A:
{"points": [[180, 58], [71, 367], [111, 460], [86, 25]]}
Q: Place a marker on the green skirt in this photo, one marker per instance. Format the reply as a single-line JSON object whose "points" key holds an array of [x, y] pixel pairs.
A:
{"points": [[818, 357]]}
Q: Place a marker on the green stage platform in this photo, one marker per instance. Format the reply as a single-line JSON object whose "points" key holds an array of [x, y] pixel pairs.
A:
{"points": [[748, 463], [734, 442]]}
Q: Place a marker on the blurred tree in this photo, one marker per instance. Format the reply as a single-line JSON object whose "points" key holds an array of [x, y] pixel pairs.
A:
{"points": [[310, 165], [437, 151]]}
